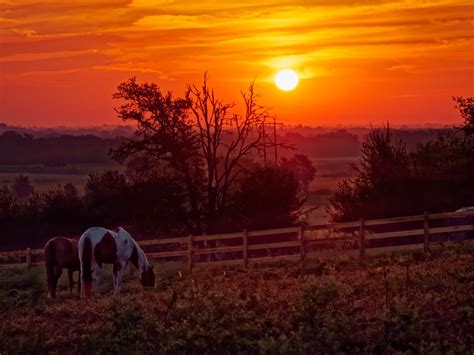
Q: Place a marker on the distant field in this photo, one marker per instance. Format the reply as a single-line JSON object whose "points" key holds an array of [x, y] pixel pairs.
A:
{"points": [[330, 171], [45, 177]]}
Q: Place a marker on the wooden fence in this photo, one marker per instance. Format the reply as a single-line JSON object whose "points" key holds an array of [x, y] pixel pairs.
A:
{"points": [[294, 243]]}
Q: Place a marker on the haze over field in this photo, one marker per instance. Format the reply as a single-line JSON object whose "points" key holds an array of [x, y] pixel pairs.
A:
{"points": [[359, 62]]}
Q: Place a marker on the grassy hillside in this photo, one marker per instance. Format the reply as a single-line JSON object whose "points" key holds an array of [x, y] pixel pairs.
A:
{"points": [[403, 302]]}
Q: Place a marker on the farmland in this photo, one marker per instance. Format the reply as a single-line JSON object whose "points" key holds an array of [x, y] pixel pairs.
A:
{"points": [[390, 303]]}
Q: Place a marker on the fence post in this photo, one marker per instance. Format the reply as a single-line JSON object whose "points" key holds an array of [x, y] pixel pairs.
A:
{"points": [[302, 246], [362, 239], [426, 232], [246, 250], [190, 252], [28, 258]]}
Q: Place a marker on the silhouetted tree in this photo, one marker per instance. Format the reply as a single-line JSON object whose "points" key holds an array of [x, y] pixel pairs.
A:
{"points": [[446, 165], [379, 178], [106, 198], [22, 186], [141, 168], [436, 176], [62, 209], [71, 190], [269, 197], [225, 139], [466, 109], [301, 166], [164, 136], [196, 140], [8, 204], [158, 206]]}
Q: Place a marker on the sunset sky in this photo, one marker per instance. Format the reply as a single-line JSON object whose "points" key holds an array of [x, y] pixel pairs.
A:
{"points": [[359, 62]]}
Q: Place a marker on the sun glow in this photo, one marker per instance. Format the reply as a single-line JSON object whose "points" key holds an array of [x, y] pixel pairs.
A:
{"points": [[286, 79]]}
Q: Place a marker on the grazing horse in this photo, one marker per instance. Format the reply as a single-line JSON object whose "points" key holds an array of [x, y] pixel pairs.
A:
{"points": [[99, 246], [61, 253]]}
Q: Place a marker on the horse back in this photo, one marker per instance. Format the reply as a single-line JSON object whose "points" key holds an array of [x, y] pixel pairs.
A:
{"points": [[66, 252], [108, 246], [105, 250]]}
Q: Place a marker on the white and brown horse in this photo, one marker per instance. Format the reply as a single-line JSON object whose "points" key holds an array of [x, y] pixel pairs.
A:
{"points": [[61, 253], [99, 246]]}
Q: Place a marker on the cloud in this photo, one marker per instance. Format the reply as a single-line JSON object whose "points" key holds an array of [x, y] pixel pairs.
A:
{"points": [[66, 61], [174, 40]]}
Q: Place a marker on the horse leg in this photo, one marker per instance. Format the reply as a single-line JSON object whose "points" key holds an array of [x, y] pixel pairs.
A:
{"points": [[114, 277], [71, 280], [79, 284], [96, 277], [50, 283], [57, 274], [118, 276]]}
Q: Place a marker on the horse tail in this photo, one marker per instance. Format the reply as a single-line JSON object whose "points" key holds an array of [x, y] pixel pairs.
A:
{"points": [[86, 266], [50, 258]]}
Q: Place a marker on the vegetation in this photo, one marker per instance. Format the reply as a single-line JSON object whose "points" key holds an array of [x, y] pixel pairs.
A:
{"points": [[466, 109], [145, 206], [54, 151], [196, 140], [392, 181], [22, 186], [400, 303]]}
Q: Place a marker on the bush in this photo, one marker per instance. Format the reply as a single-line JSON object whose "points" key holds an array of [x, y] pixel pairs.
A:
{"points": [[127, 331], [269, 197], [323, 321]]}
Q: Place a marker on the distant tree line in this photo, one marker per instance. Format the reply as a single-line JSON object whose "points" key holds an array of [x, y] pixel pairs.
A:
{"points": [[344, 143], [17, 149], [392, 180], [340, 143]]}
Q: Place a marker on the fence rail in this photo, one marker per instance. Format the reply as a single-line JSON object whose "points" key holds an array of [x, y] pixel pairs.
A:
{"points": [[298, 239]]}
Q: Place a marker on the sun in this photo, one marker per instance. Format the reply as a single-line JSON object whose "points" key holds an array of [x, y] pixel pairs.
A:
{"points": [[286, 79]]}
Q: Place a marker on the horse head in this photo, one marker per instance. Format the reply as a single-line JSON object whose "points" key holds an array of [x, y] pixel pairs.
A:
{"points": [[148, 277]]}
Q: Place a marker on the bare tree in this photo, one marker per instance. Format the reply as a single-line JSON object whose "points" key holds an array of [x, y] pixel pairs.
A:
{"points": [[225, 139]]}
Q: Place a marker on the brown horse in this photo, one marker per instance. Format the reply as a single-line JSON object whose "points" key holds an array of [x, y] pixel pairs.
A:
{"points": [[61, 253]]}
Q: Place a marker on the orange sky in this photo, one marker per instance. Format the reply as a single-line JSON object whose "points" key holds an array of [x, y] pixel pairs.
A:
{"points": [[366, 61]]}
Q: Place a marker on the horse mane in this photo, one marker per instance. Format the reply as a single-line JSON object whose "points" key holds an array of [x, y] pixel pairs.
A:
{"points": [[137, 252], [141, 257], [142, 254]]}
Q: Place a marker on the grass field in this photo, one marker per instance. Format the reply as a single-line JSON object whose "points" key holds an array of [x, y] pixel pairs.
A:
{"points": [[399, 303]]}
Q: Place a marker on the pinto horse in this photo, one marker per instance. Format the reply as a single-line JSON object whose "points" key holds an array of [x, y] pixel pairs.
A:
{"points": [[61, 253], [99, 246]]}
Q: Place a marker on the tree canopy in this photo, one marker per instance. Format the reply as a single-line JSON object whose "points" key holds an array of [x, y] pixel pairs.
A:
{"points": [[392, 181]]}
